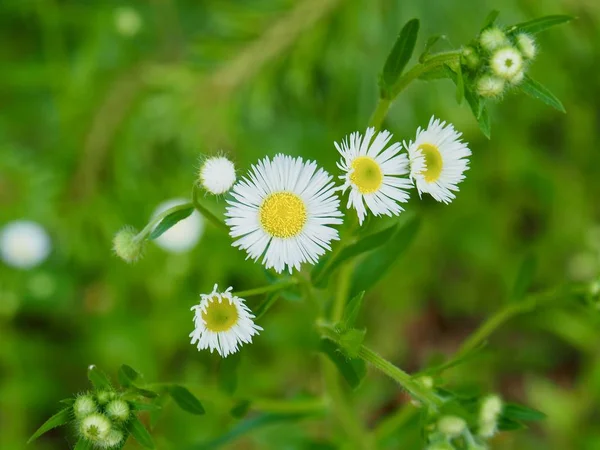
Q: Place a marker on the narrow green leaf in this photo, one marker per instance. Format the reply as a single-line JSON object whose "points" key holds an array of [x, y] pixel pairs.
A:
{"points": [[524, 278], [186, 400], [143, 392], [539, 92], [170, 221], [67, 401], [60, 418], [474, 103], [484, 122], [266, 304], [428, 46], [540, 24], [139, 406], [514, 411], [366, 244], [490, 20], [505, 424], [139, 433], [460, 85], [399, 56], [240, 409], [98, 379], [352, 309], [83, 444], [352, 370], [370, 270], [127, 375]]}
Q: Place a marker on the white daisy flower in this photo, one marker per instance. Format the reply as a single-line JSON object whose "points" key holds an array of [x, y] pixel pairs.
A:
{"points": [[282, 212], [374, 173], [24, 244], [438, 159], [222, 322], [217, 175], [507, 63]]}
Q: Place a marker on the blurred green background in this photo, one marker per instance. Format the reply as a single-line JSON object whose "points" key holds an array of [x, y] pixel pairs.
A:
{"points": [[106, 108]]}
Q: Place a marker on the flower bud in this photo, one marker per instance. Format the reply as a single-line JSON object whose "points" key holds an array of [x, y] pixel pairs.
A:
{"points": [[112, 440], [104, 397], [118, 410], [526, 45], [507, 63], [491, 407], [470, 58], [451, 426], [489, 86], [217, 175], [84, 405], [95, 427], [127, 246], [492, 39]]}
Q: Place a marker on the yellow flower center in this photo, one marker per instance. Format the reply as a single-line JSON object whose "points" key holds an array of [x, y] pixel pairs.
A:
{"points": [[433, 162], [366, 175], [220, 316], [283, 214]]}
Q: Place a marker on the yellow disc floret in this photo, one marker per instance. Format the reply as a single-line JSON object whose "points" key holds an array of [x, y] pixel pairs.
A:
{"points": [[220, 315], [433, 162], [283, 214], [366, 175]]}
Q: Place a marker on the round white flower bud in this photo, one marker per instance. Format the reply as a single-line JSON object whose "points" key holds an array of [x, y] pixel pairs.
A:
{"points": [[112, 440], [451, 426], [492, 39], [217, 175], [491, 407], [507, 63], [526, 44], [127, 246], [119, 410], [489, 86], [24, 244], [83, 406], [470, 58], [95, 427]]}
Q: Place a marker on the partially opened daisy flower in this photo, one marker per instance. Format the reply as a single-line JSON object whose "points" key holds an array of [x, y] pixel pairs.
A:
{"points": [[438, 160], [222, 322], [377, 176], [283, 211]]}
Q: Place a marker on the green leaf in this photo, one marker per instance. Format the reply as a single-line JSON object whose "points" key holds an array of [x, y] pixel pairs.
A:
{"points": [[266, 304], [474, 103], [539, 92], [144, 392], [514, 411], [98, 379], [127, 375], [320, 275], [159, 402], [505, 424], [370, 270], [484, 122], [399, 56], [83, 444], [460, 85], [524, 278], [139, 433], [351, 341], [439, 73], [536, 25], [170, 221], [139, 406], [60, 418], [186, 400], [352, 370], [240, 409], [352, 309], [490, 20], [428, 46]]}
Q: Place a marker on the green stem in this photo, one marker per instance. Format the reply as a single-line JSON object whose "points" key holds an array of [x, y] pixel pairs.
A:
{"points": [[206, 213], [266, 289], [156, 220], [311, 405], [417, 390], [415, 72]]}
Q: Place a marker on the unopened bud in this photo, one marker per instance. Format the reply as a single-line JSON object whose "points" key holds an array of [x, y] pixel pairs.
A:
{"points": [[112, 440], [83, 406], [451, 426], [491, 407], [489, 86], [217, 175], [526, 44], [507, 63], [119, 410], [492, 39], [127, 246], [104, 397], [470, 58], [95, 427]]}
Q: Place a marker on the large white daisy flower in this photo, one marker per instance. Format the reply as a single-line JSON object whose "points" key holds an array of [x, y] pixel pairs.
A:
{"points": [[282, 211], [375, 175], [438, 160], [222, 322]]}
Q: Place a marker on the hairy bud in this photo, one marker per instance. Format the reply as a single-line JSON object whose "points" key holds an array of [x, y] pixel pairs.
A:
{"points": [[127, 246]]}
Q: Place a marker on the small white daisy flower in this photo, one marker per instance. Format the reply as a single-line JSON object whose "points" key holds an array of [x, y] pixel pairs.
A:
{"points": [[526, 44], [222, 322], [217, 175], [282, 212], [185, 234], [377, 176], [438, 160], [490, 86], [507, 63], [24, 244]]}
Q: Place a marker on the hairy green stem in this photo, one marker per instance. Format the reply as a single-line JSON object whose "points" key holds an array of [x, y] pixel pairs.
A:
{"points": [[414, 388], [267, 289], [415, 72], [206, 213]]}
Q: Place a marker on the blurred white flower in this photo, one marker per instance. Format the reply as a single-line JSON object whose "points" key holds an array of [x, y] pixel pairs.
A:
{"points": [[24, 244], [184, 235], [127, 21]]}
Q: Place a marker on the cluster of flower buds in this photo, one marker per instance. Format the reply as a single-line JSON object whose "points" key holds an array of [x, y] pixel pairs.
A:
{"points": [[101, 418], [497, 60]]}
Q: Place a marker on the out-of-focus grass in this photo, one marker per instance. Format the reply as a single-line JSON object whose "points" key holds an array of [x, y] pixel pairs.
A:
{"points": [[98, 127]]}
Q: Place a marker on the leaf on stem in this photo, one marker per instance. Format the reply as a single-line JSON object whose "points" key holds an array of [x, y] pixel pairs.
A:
{"points": [[428, 46], [98, 379], [139, 433], [170, 221], [490, 20], [353, 370], [399, 56], [539, 92], [266, 304], [352, 309], [460, 85], [60, 418], [514, 411], [540, 24], [186, 400], [127, 375]]}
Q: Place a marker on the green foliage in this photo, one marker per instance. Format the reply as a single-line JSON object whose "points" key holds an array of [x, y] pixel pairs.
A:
{"points": [[399, 57], [539, 92], [186, 400], [169, 221], [540, 24], [139, 433], [60, 418], [353, 370]]}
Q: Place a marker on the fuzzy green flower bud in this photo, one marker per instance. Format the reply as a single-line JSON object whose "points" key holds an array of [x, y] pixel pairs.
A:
{"points": [[112, 440], [507, 63], [491, 407], [118, 410], [95, 427], [492, 39], [127, 246], [489, 86], [84, 405], [526, 45], [470, 58], [451, 426], [104, 397]]}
